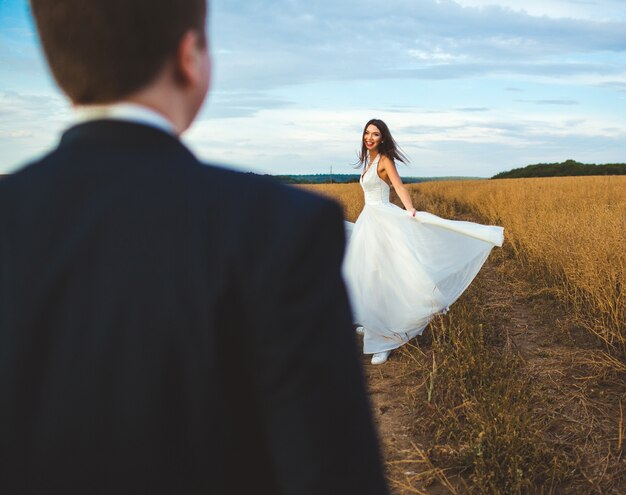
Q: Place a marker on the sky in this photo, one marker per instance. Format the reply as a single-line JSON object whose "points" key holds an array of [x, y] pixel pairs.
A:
{"points": [[467, 87]]}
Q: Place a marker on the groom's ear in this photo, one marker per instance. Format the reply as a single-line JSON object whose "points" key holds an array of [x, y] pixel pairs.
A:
{"points": [[191, 61]]}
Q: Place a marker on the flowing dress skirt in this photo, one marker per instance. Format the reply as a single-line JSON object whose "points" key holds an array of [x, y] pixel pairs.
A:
{"points": [[402, 270]]}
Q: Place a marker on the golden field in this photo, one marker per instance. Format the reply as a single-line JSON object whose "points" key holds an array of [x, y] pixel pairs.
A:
{"points": [[521, 388], [569, 231], [349, 195]]}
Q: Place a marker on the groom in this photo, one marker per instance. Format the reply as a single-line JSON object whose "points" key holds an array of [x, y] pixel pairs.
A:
{"points": [[167, 327]]}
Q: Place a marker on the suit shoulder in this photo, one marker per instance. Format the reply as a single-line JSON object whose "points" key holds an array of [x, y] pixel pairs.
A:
{"points": [[23, 175], [267, 192]]}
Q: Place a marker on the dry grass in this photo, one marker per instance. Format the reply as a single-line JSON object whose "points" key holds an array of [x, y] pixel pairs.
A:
{"points": [[565, 243], [546, 420], [552, 421], [570, 233], [349, 195], [481, 409]]}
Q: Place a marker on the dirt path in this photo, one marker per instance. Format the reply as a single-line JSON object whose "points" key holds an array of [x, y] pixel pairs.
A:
{"points": [[551, 347], [389, 384]]}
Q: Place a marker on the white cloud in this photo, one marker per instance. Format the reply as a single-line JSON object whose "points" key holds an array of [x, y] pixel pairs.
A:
{"points": [[582, 9], [266, 45]]}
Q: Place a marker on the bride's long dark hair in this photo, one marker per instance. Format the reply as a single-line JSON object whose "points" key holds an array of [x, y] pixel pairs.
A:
{"points": [[387, 147]]}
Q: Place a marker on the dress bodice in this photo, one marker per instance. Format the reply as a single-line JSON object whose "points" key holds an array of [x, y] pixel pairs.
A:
{"points": [[375, 190]]}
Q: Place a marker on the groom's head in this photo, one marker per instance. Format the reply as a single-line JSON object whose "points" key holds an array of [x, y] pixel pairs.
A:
{"points": [[102, 51]]}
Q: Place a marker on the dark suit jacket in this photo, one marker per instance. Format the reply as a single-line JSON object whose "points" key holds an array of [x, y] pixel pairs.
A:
{"points": [[171, 327]]}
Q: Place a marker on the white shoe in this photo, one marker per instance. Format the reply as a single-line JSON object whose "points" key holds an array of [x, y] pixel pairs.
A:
{"points": [[380, 357], [360, 330]]}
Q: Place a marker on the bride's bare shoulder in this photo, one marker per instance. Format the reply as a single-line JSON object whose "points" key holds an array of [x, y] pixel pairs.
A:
{"points": [[386, 163], [387, 169]]}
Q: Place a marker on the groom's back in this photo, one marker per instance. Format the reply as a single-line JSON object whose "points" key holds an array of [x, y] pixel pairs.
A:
{"points": [[167, 327], [126, 297]]}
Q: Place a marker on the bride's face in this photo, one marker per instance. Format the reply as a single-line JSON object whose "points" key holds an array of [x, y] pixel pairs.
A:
{"points": [[372, 137]]}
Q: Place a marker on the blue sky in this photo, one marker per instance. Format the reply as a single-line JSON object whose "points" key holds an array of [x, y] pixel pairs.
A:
{"points": [[468, 87]]}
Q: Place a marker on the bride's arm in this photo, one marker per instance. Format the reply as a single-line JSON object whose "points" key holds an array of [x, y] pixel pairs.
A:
{"points": [[392, 173]]}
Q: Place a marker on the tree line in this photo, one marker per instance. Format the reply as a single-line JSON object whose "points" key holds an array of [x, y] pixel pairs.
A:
{"points": [[567, 168]]}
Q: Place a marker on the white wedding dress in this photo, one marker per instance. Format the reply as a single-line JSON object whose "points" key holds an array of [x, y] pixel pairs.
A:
{"points": [[401, 270]]}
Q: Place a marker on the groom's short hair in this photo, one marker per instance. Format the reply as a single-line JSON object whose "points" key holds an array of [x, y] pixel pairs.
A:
{"points": [[101, 51]]}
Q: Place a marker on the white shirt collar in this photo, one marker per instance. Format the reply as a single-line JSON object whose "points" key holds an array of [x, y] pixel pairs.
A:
{"points": [[130, 112]]}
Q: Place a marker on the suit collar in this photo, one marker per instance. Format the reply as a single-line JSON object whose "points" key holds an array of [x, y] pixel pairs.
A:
{"points": [[111, 134], [126, 111]]}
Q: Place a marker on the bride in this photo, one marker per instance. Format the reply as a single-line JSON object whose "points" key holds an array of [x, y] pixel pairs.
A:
{"points": [[402, 267]]}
